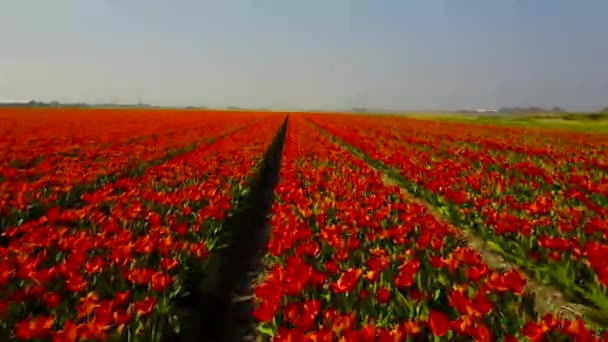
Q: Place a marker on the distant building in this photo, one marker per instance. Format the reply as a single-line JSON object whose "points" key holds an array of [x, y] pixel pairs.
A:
{"points": [[486, 110]]}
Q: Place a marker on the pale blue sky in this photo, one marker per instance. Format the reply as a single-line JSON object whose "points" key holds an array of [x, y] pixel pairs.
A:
{"points": [[423, 54]]}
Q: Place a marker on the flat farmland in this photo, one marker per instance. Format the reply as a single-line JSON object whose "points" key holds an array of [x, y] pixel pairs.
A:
{"points": [[143, 225]]}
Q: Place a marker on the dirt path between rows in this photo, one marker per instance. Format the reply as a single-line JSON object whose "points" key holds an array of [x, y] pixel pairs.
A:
{"points": [[547, 299], [220, 297]]}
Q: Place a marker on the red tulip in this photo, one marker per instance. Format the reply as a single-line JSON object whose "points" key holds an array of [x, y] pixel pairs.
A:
{"points": [[438, 322], [34, 328], [383, 295], [534, 331], [346, 282]]}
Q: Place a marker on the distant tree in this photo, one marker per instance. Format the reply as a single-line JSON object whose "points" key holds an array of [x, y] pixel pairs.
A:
{"points": [[535, 109], [605, 110], [512, 110], [557, 109]]}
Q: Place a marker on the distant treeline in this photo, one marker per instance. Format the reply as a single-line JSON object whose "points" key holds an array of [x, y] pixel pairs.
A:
{"points": [[520, 110], [585, 116], [56, 104], [534, 110]]}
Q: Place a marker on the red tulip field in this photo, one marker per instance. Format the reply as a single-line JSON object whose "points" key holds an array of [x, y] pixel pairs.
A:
{"points": [[380, 228]]}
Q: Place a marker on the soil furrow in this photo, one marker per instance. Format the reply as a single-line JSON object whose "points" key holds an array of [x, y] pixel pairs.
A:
{"points": [[219, 303]]}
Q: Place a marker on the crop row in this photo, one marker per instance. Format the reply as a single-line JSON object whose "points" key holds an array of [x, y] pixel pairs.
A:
{"points": [[589, 150], [534, 216], [28, 134], [577, 161], [59, 173], [114, 267], [352, 259]]}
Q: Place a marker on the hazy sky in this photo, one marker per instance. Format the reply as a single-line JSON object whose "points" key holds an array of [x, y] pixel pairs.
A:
{"points": [[418, 54]]}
